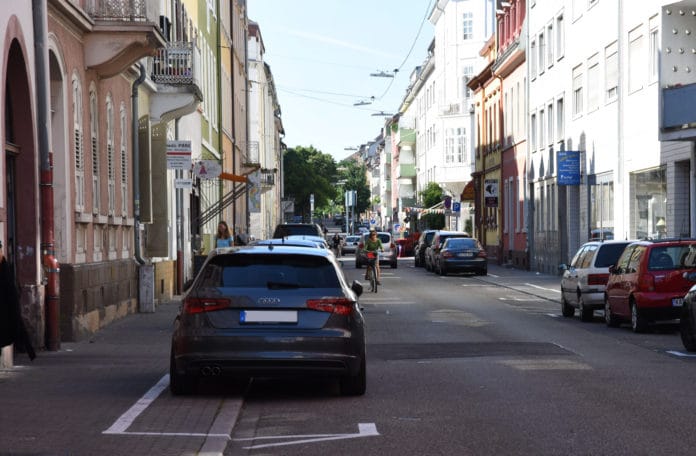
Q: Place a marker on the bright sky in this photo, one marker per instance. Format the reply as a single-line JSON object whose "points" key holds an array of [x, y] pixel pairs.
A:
{"points": [[321, 54]]}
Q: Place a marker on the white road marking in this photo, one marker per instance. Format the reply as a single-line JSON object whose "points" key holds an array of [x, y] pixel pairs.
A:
{"points": [[216, 441], [364, 430], [493, 275], [681, 354], [125, 420], [543, 288]]}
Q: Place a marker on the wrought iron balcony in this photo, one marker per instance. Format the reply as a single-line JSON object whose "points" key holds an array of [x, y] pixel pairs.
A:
{"points": [[175, 65], [267, 177], [124, 31], [250, 154]]}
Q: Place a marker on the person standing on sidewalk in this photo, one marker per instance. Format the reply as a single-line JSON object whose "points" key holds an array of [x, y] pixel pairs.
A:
{"points": [[223, 238], [12, 328]]}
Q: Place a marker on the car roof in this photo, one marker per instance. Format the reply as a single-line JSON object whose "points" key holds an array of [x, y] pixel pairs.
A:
{"points": [[273, 248], [290, 241]]}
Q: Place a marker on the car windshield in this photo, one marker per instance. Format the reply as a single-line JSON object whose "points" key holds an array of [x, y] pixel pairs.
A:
{"points": [[271, 271], [608, 254]]}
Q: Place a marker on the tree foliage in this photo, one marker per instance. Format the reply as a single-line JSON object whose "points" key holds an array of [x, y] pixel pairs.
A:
{"points": [[353, 176], [431, 195], [308, 171]]}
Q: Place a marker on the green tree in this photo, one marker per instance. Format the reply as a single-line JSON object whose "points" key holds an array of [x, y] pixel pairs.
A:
{"points": [[431, 195], [308, 171], [353, 177]]}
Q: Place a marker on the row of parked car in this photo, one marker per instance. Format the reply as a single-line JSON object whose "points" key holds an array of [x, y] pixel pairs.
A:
{"points": [[442, 252], [640, 282]]}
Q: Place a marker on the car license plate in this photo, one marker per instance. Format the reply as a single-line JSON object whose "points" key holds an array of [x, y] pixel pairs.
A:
{"points": [[465, 254], [677, 302], [268, 316]]}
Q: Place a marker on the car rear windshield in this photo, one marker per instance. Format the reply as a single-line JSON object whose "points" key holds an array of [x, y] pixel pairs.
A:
{"points": [[608, 254], [290, 230], [461, 243], [672, 257], [270, 271]]}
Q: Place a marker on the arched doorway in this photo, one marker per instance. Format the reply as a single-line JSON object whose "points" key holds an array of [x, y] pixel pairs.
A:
{"points": [[21, 174]]}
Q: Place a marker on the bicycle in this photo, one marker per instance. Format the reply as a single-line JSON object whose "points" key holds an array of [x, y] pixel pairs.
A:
{"points": [[372, 271]]}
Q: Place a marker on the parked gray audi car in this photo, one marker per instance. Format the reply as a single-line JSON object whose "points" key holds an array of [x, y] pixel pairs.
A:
{"points": [[269, 310]]}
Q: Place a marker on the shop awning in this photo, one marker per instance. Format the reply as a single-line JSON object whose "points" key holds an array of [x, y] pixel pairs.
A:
{"points": [[468, 193]]}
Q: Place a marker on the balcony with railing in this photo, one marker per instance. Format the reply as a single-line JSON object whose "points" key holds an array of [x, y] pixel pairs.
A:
{"points": [[250, 155], [176, 70], [123, 32], [267, 178]]}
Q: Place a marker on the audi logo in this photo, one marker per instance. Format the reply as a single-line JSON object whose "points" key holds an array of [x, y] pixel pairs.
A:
{"points": [[268, 301]]}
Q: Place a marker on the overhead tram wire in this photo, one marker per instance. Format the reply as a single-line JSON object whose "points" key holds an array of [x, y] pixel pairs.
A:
{"points": [[413, 45]]}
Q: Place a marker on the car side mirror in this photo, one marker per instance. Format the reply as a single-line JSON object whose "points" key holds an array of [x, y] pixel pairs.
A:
{"points": [[612, 269], [356, 287], [562, 267]]}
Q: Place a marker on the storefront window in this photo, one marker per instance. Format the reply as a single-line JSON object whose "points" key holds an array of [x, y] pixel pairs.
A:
{"points": [[602, 210], [649, 204]]}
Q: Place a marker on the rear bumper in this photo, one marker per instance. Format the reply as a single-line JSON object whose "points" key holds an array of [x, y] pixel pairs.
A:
{"points": [[268, 355], [659, 306], [472, 264]]}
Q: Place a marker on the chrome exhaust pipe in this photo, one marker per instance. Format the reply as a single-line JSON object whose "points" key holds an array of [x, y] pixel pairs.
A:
{"points": [[215, 370], [206, 371]]}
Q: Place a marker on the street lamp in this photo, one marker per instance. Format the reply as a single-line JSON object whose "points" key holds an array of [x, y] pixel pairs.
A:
{"points": [[383, 74]]}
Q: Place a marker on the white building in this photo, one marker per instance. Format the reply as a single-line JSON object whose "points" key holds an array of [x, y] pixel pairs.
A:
{"points": [[594, 87], [265, 128], [446, 142]]}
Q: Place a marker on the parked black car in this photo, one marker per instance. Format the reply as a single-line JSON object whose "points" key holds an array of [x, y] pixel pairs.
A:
{"points": [[462, 254], [433, 250], [269, 310], [423, 243]]}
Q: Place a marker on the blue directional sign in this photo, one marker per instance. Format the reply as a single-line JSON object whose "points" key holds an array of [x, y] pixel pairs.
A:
{"points": [[568, 167]]}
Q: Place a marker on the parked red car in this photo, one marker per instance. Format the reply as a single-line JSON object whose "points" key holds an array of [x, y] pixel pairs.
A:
{"points": [[648, 283]]}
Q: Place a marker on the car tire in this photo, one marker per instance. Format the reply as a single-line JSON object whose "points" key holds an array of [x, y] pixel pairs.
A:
{"points": [[566, 309], [442, 270], [180, 384], [609, 318], [687, 328], [638, 322], [355, 385], [586, 314]]}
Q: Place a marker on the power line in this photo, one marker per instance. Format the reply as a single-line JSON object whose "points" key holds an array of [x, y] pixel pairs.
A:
{"points": [[324, 93], [415, 40]]}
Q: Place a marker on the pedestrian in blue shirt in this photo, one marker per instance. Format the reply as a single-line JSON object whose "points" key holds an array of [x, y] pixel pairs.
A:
{"points": [[223, 238]]}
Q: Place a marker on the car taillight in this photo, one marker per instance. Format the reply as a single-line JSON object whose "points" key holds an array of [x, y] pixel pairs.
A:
{"points": [[200, 305], [482, 254], [446, 254], [646, 282], [341, 306], [597, 279], [392, 246], [360, 245]]}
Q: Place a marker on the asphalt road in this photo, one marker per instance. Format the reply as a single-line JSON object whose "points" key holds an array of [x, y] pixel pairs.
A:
{"points": [[457, 365]]}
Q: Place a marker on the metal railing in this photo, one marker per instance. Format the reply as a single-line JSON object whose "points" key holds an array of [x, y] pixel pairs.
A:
{"points": [[117, 10], [174, 64], [250, 154]]}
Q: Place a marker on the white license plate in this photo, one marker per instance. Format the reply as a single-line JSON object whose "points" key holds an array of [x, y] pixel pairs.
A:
{"points": [[268, 316], [677, 302], [465, 255]]}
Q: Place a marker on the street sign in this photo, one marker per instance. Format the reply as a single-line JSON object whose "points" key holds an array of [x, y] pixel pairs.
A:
{"points": [[207, 169], [183, 183], [456, 206], [178, 154], [490, 192], [568, 167]]}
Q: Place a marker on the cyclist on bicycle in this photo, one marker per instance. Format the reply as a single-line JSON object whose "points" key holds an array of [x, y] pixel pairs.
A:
{"points": [[374, 244]]}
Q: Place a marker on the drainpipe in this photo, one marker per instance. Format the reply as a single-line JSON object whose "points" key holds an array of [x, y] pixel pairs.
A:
{"points": [[136, 163], [49, 261]]}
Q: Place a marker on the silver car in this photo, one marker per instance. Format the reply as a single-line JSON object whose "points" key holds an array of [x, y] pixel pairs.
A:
{"points": [[350, 245], [584, 280], [269, 310]]}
